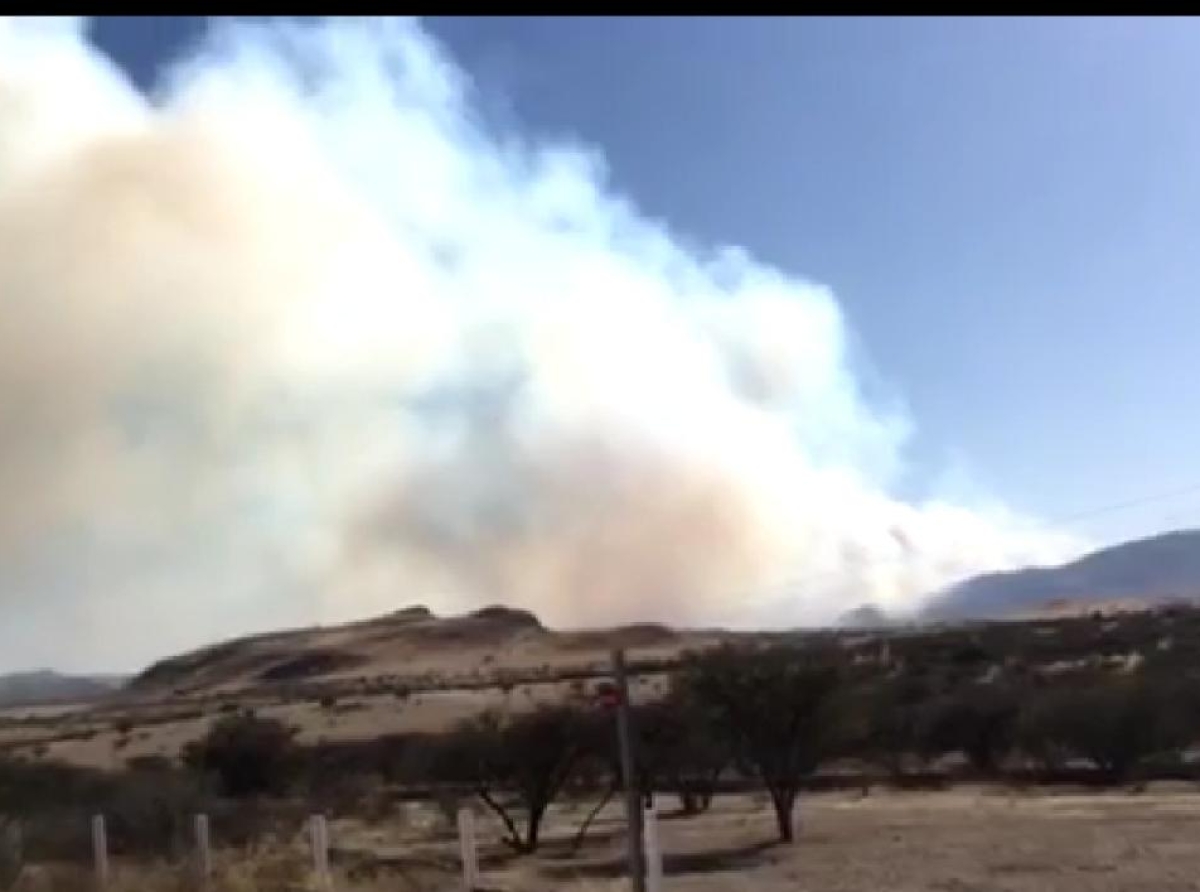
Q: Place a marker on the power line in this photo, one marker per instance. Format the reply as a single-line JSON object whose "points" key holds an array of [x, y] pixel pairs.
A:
{"points": [[1128, 503]]}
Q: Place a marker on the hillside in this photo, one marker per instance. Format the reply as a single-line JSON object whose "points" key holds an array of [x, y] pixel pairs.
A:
{"points": [[46, 687], [1143, 572], [411, 672], [495, 643], [405, 646]]}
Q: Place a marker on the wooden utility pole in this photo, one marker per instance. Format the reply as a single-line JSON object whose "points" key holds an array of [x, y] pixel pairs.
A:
{"points": [[633, 799]]}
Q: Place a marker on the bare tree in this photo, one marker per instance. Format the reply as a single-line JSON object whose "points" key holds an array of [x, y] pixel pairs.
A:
{"points": [[680, 750], [517, 764], [774, 705]]}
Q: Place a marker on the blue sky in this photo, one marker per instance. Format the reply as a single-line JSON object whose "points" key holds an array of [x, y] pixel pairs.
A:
{"points": [[350, 316], [1008, 210]]}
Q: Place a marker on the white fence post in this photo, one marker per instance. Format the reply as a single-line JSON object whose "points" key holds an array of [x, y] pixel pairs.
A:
{"points": [[100, 850], [203, 851], [654, 864], [466, 844], [319, 832]]}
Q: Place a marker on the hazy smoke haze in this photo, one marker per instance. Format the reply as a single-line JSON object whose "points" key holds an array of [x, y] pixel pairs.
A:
{"points": [[299, 338]]}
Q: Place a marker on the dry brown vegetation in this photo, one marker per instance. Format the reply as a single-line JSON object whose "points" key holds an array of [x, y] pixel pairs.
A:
{"points": [[1110, 700], [402, 673], [966, 840], [412, 672]]}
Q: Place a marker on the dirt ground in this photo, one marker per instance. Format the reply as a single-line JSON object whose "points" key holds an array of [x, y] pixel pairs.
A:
{"points": [[959, 841]]}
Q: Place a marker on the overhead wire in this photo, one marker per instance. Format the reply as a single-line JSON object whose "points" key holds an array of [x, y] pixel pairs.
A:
{"points": [[785, 586]]}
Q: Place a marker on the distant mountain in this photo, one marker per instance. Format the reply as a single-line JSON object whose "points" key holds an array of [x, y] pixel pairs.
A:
{"points": [[1143, 572], [44, 686], [865, 616]]}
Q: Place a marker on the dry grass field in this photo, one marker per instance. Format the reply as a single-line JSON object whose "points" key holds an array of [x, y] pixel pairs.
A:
{"points": [[959, 841], [106, 737], [405, 672], [966, 840], [414, 673]]}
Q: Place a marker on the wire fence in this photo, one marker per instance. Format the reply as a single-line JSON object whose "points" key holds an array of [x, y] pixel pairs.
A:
{"points": [[196, 854], [193, 852]]}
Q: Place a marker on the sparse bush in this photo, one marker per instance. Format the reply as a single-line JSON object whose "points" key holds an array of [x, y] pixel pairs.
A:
{"points": [[512, 763], [680, 750], [249, 755], [148, 763], [881, 721], [148, 811], [30, 787], [977, 720], [1113, 722]]}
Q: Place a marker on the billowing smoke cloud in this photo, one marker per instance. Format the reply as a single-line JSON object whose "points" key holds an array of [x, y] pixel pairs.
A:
{"points": [[301, 338]]}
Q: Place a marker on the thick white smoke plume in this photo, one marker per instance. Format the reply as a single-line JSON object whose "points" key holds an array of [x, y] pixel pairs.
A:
{"points": [[301, 339]]}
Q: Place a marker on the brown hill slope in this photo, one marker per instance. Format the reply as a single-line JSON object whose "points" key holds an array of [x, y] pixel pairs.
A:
{"points": [[411, 672], [408, 644]]}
